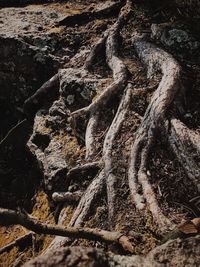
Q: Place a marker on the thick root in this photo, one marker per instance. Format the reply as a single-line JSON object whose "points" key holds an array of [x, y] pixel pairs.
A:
{"points": [[90, 136], [83, 208], [186, 146], [108, 149], [154, 117]]}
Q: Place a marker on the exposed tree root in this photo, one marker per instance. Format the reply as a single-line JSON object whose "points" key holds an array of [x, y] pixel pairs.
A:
{"points": [[108, 149], [154, 58], [85, 204], [66, 196], [186, 146], [120, 82], [184, 142], [120, 76]]}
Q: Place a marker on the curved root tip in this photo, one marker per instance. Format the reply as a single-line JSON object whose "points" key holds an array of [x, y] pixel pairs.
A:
{"points": [[126, 244]]}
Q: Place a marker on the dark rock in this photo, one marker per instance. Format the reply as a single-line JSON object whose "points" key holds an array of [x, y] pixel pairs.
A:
{"points": [[177, 39], [176, 253]]}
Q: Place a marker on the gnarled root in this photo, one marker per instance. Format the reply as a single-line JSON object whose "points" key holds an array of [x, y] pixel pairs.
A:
{"points": [[154, 117], [108, 149], [120, 81], [120, 76], [186, 146]]}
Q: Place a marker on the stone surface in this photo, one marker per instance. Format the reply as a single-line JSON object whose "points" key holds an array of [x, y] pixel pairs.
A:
{"points": [[177, 39], [47, 149], [173, 253], [29, 52]]}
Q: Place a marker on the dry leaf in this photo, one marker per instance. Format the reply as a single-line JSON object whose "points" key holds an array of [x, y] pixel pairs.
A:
{"points": [[188, 228], [196, 222]]}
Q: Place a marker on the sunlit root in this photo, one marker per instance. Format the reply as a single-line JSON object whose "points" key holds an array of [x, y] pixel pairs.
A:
{"points": [[155, 59], [120, 77], [108, 149], [186, 145], [67, 196], [120, 74]]}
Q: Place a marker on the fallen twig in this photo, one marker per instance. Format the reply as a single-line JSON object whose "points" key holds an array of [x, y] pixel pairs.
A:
{"points": [[17, 242], [12, 130], [9, 217]]}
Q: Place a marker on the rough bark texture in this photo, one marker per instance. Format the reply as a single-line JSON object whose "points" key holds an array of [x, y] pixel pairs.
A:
{"points": [[115, 131]]}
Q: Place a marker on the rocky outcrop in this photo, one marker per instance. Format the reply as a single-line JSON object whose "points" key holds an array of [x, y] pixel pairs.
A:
{"points": [[29, 51], [173, 253], [177, 39]]}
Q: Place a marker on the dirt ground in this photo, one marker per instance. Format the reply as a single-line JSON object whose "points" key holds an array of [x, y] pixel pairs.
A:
{"points": [[22, 186]]}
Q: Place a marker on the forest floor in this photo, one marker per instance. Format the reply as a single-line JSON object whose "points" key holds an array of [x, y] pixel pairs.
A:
{"points": [[22, 186]]}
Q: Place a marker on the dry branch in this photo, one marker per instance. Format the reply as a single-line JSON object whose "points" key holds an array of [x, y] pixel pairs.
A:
{"points": [[12, 130], [10, 217], [19, 241]]}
